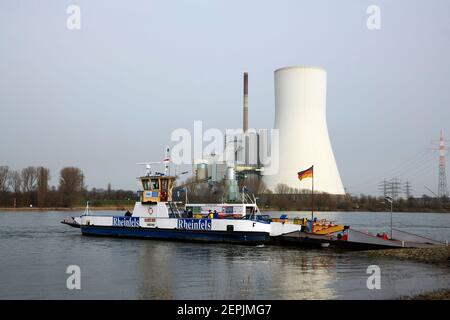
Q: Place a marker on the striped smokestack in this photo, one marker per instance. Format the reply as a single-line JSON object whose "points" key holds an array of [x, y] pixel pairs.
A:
{"points": [[245, 125]]}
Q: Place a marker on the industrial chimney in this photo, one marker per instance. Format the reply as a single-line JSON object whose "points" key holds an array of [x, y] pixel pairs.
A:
{"points": [[245, 125]]}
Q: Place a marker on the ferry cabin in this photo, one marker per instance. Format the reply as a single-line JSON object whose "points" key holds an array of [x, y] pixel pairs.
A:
{"points": [[156, 188]]}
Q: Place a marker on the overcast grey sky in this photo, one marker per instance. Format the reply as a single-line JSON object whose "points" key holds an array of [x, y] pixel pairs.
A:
{"points": [[107, 96]]}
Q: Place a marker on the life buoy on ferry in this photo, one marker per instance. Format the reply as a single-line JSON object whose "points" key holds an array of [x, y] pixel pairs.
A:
{"points": [[163, 195]]}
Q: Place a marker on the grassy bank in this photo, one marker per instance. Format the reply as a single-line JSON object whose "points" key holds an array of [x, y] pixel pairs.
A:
{"points": [[439, 255]]}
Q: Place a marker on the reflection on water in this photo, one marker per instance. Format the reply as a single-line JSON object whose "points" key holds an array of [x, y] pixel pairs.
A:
{"points": [[36, 250], [196, 271]]}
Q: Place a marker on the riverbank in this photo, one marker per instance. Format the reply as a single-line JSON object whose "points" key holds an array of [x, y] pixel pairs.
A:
{"points": [[443, 294], [440, 255]]}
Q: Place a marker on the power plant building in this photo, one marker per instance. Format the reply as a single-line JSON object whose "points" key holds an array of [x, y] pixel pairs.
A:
{"points": [[300, 117]]}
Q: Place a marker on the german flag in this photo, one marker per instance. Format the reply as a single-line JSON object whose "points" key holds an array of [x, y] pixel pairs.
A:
{"points": [[308, 173]]}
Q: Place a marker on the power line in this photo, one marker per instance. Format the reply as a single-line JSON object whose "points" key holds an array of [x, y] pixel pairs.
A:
{"points": [[394, 187], [407, 189], [409, 163], [391, 188], [442, 181], [424, 163], [383, 187]]}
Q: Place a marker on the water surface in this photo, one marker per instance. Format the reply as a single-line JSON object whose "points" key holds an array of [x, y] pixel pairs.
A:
{"points": [[36, 249]]}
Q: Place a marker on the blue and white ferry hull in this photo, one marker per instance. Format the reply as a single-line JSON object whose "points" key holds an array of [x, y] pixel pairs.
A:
{"points": [[159, 222], [239, 237]]}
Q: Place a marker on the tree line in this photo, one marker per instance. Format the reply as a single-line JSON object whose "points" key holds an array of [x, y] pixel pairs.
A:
{"points": [[288, 198], [327, 202], [29, 187]]}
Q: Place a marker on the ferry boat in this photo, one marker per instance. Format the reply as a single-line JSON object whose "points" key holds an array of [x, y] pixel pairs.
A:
{"points": [[156, 216]]}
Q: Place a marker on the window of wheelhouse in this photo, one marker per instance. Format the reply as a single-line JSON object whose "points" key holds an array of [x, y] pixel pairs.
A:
{"points": [[155, 184], [164, 184], [146, 184]]}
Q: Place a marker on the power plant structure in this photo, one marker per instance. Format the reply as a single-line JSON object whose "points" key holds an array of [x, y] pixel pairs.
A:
{"points": [[300, 118]]}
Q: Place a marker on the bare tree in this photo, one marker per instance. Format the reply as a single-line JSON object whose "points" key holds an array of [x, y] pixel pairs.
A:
{"points": [[42, 185], [15, 181], [71, 185], [29, 177], [254, 184], [4, 174], [282, 188]]}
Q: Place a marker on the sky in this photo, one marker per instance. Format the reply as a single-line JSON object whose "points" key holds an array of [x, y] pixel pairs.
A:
{"points": [[109, 94]]}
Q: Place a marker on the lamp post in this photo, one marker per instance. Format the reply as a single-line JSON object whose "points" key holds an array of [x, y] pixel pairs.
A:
{"points": [[391, 201]]}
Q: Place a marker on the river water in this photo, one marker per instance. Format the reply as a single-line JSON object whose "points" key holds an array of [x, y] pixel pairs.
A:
{"points": [[36, 249]]}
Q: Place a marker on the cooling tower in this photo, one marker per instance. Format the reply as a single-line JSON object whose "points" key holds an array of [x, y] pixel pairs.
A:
{"points": [[300, 116]]}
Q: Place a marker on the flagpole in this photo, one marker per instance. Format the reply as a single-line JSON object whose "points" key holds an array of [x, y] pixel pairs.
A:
{"points": [[312, 195]]}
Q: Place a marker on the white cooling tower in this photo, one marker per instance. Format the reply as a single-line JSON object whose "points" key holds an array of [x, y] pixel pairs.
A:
{"points": [[300, 116]]}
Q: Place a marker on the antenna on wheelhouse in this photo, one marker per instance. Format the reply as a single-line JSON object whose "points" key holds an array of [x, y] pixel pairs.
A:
{"points": [[166, 160], [148, 167]]}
